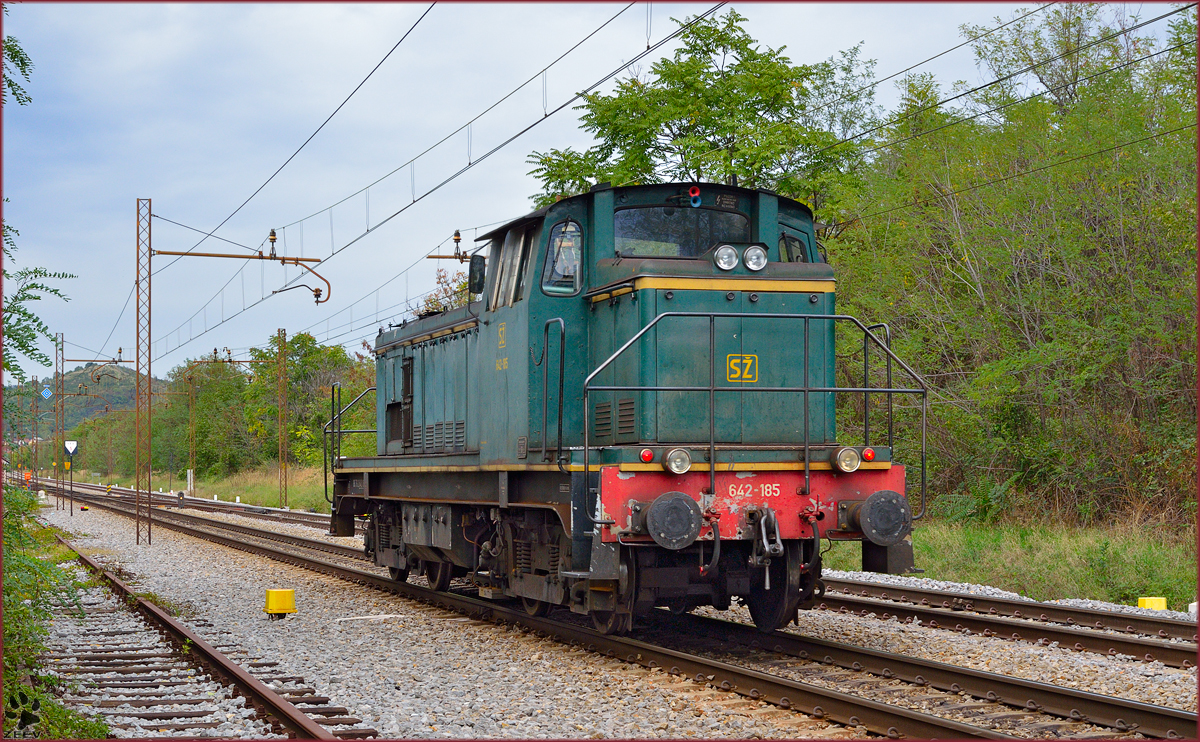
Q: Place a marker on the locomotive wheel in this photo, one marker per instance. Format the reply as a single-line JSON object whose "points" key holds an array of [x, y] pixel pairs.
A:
{"points": [[534, 607], [397, 574], [438, 574], [773, 609], [612, 622]]}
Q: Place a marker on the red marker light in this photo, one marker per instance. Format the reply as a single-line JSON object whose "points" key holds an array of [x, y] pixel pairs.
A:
{"points": [[647, 455], [868, 454], [694, 191]]}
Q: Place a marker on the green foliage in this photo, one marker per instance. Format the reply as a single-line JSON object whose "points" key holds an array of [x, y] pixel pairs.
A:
{"points": [[1054, 313], [1035, 266], [235, 409], [1116, 563], [449, 292], [22, 327], [721, 109], [33, 582], [16, 62]]}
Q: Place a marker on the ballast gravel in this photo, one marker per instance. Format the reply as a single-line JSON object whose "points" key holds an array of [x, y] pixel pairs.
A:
{"points": [[225, 715], [410, 670], [290, 529], [1148, 682]]}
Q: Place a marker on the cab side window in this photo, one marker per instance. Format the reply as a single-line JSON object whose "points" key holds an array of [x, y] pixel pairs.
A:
{"points": [[792, 249], [508, 286], [561, 275]]}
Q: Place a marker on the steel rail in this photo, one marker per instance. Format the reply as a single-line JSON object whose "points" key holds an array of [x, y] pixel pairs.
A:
{"points": [[1019, 627], [816, 701], [1182, 654], [1167, 628], [295, 721], [1116, 713], [217, 506], [307, 543]]}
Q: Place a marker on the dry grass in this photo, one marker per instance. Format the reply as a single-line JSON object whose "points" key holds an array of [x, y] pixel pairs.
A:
{"points": [[306, 489], [260, 486]]}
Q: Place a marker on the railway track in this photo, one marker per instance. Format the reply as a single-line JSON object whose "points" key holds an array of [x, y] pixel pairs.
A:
{"points": [[1147, 638], [276, 515], [1039, 709], [1173, 654], [1130, 623], [148, 672]]}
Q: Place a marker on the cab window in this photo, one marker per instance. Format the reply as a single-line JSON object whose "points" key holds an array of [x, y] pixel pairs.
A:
{"points": [[561, 275], [508, 284], [676, 232], [792, 249]]}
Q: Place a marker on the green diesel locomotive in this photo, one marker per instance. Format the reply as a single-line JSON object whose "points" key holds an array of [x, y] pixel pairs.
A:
{"points": [[639, 411]]}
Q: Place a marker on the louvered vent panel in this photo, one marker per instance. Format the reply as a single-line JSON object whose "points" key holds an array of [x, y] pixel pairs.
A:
{"points": [[603, 419], [439, 439], [428, 439], [460, 435], [625, 417]]}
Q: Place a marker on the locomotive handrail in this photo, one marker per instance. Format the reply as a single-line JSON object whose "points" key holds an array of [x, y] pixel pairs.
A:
{"points": [[332, 432], [562, 352], [887, 335], [806, 390]]}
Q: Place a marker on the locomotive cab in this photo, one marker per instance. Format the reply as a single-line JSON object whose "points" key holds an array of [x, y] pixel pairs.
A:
{"points": [[641, 410]]}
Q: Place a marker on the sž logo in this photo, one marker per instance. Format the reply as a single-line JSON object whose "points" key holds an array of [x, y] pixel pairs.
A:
{"points": [[741, 368]]}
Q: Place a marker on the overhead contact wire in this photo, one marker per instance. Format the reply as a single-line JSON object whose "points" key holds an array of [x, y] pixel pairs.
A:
{"points": [[463, 170], [306, 141], [465, 126]]}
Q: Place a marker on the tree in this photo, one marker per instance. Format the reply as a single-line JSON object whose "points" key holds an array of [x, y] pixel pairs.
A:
{"points": [[450, 293], [312, 369], [16, 62], [722, 109], [22, 328], [1032, 261]]}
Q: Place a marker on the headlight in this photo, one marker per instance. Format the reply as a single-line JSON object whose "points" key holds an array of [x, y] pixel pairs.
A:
{"points": [[726, 258], [846, 459], [756, 258], [677, 461]]}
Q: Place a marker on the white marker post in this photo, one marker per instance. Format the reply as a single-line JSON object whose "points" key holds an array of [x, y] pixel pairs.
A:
{"points": [[71, 447]]}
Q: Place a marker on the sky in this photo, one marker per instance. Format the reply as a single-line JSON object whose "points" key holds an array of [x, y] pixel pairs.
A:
{"points": [[194, 106]]}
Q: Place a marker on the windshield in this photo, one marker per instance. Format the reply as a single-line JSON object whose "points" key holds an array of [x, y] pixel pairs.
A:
{"points": [[676, 232]]}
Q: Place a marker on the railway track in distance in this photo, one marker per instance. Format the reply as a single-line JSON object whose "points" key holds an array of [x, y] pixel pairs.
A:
{"points": [[1118, 714], [157, 499], [1173, 654], [1130, 623]]}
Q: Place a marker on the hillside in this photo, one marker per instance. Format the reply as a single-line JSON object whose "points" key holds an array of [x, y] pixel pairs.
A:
{"points": [[112, 385]]}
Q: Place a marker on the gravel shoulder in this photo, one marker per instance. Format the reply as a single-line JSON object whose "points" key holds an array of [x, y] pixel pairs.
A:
{"points": [[411, 670]]}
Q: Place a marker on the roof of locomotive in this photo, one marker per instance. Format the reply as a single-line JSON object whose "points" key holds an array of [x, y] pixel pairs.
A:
{"points": [[502, 229]]}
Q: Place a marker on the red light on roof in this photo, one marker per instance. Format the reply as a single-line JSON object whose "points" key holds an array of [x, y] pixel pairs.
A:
{"points": [[868, 454], [694, 191], [647, 455]]}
